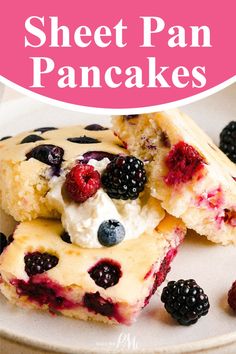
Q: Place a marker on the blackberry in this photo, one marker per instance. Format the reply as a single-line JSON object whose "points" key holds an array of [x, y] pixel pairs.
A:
{"points": [[3, 242], [228, 141], [185, 301], [105, 273], [94, 302], [37, 262], [124, 178]]}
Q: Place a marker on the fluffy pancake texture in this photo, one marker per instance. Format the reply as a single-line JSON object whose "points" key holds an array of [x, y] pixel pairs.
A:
{"points": [[187, 172]]}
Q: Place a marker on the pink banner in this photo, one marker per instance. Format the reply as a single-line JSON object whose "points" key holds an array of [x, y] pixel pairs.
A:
{"points": [[118, 54]]}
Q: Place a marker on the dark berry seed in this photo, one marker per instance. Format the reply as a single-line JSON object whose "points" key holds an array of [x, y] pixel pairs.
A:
{"points": [[49, 154], [95, 127], [130, 116], [37, 263], [228, 141], [5, 138], [165, 140], [110, 233], [106, 273], [96, 155], [94, 302], [185, 301], [83, 140], [31, 139], [66, 237], [45, 129], [124, 178], [3, 242]]}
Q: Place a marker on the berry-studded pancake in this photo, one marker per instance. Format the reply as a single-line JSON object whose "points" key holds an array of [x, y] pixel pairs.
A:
{"points": [[29, 160], [191, 177], [41, 269]]}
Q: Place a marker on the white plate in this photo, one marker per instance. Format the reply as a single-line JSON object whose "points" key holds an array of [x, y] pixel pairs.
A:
{"points": [[212, 266]]}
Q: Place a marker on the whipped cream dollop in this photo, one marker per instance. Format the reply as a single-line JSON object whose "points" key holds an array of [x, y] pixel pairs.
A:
{"points": [[82, 220]]}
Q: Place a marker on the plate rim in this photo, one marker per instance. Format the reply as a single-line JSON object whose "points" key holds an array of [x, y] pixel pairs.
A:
{"points": [[191, 347]]}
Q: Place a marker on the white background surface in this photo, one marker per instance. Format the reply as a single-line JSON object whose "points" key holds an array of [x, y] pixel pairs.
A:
{"points": [[213, 267]]}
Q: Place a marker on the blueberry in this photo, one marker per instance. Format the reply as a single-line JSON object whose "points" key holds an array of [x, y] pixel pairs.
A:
{"points": [[95, 127], [49, 154], [83, 140], [3, 242], [97, 155], [110, 233], [31, 139], [66, 237], [44, 129], [5, 138]]}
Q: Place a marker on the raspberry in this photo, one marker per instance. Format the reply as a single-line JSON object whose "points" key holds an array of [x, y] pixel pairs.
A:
{"points": [[228, 141], [183, 162], [106, 273], [185, 301], [37, 263], [161, 274], [124, 178], [232, 297], [82, 182]]}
